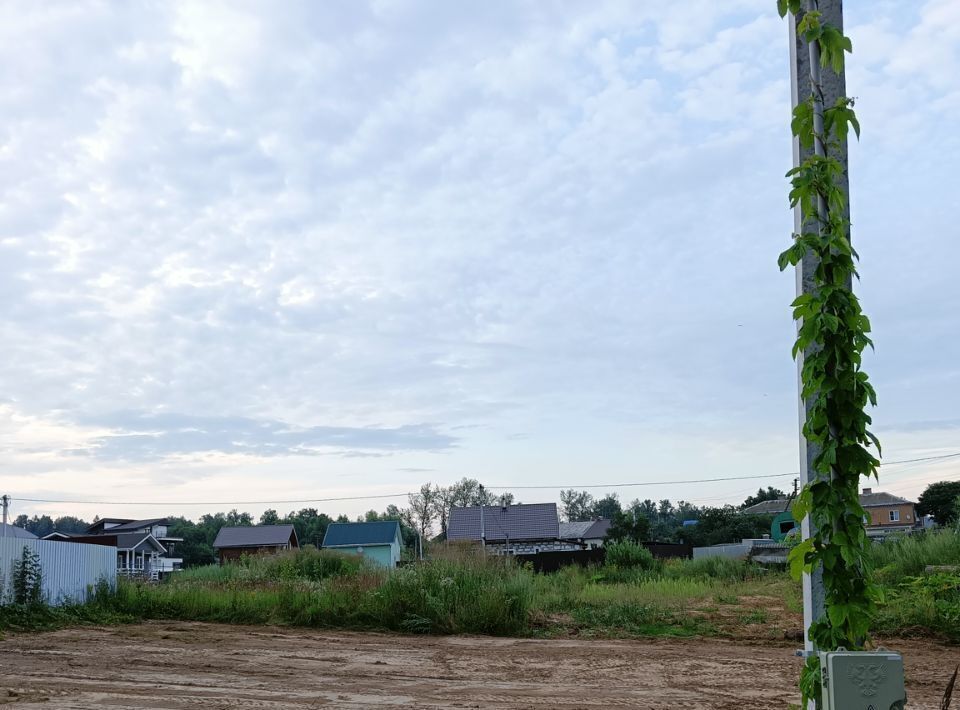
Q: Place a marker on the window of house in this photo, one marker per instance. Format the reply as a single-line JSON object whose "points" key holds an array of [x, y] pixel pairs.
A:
{"points": [[894, 516]]}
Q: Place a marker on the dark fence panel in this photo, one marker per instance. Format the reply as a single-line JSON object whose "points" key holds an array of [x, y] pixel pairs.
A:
{"points": [[552, 561], [669, 550]]}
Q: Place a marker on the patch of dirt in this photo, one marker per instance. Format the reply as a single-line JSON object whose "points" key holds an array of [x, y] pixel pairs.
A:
{"points": [[212, 667]]}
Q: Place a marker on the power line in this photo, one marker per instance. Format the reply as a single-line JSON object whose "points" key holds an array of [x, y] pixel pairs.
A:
{"points": [[232, 502], [499, 488]]}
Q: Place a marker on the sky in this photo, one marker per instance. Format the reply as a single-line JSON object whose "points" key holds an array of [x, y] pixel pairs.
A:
{"points": [[253, 252]]}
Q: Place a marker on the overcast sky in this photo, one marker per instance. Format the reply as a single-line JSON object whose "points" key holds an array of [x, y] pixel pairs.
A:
{"points": [[254, 251]]}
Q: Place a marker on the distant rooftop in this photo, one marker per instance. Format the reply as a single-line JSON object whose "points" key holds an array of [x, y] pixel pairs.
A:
{"points": [[254, 536], [868, 499], [533, 521], [13, 531], [382, 532], [584, 529]]}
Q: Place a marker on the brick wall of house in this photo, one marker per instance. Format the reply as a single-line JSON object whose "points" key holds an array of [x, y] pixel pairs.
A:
{"points": [[532, 547]]}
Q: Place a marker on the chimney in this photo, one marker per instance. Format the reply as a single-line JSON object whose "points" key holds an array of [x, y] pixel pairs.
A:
{"points": [[867, 491]]}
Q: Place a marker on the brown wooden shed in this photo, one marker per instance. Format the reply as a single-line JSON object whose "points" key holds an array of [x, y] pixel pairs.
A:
{"points": [[233, 543]]}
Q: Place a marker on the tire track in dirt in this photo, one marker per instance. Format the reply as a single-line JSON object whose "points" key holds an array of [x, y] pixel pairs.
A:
{"points": [[188, 666]]}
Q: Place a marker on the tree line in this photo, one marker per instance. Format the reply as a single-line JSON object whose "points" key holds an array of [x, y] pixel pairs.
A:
{"points": [[427, 515]]}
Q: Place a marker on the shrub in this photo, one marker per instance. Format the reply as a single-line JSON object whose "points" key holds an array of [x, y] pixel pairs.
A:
{"points": [[630, 555]]}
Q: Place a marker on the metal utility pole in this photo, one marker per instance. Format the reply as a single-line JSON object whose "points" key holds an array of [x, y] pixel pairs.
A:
{"points": [[483, 532], [806, 75], [6, 510]]}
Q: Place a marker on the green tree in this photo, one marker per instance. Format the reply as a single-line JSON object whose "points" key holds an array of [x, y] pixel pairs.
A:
{"points": [[628, 526], [576, 505], [270, 517], [940, 501], [425, 507], [40, 526], [606, 507], [26, 579], [716, 526], [764, 495]]}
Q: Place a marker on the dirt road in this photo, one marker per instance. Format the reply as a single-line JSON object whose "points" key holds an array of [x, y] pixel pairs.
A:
{"points": [[209, 667]]}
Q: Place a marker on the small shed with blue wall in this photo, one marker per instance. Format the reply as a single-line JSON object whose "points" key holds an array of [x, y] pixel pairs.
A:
{"points": [[379, 542]]}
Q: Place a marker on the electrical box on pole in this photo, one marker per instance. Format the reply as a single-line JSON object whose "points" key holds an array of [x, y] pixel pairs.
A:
{"points": [[862, 680]]}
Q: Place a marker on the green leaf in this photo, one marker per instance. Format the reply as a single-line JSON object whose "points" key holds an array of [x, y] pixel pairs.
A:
{"points": [[797, 558], [801, 506], [802, 123]]}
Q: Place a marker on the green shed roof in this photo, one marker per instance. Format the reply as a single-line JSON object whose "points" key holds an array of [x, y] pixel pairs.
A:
{"points": [[378, 533]]}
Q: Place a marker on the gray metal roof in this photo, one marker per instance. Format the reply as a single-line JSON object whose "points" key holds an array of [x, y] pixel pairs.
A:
{"points": [[599, 529], [254, 536], [136, 525], [870, 500], [574, 530], [533, 521], [768, 507], [584, 529], [14, 531], [137, 541]]}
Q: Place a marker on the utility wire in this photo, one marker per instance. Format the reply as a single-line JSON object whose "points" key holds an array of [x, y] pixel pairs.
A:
{"points": [[498, 488]]}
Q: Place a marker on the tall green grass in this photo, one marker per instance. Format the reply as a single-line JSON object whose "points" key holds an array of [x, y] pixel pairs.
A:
{"points": [[909, 555], [310, 588], [914, 602], [464, 592]]}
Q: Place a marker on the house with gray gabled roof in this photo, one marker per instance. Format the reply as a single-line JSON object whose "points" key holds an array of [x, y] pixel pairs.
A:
{"points": [[11, 531], [232, 543], [589, 534], [379, 541], [524, 528], [139, 554]]}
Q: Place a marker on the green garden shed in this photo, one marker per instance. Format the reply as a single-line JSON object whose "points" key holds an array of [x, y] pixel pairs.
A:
{"points": [[379, 542]]}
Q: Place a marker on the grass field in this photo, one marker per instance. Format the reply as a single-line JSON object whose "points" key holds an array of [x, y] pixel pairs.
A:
{"points": [[461, 592]]}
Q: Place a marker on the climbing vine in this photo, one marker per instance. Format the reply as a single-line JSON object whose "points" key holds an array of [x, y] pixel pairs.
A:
{"points": [[832, 335]]}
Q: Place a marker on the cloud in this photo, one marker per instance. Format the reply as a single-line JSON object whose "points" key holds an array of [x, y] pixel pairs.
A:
{"points": [[143, 437], [354, 228]]}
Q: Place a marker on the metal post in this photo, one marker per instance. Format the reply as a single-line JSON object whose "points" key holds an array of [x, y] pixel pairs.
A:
{"points": [[6, 510], [483, 532], [805, 75]]}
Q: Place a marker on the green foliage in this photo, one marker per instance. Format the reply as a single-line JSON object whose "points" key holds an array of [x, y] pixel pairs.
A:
{"points": [[716, 526], [628, 526], [26, 579], [941, 501], [627, 554], [909, 555], [576, 505], [928, 603], [832, 335], [725, 569], [470, 595]]}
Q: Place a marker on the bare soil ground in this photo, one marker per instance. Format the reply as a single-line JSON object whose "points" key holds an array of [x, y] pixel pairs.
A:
{"points": [[209, 667]]}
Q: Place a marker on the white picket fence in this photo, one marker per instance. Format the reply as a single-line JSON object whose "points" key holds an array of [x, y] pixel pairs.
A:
{"points": [[69, 570]]}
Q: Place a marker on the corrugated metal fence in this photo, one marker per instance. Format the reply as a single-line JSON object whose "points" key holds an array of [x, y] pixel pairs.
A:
{"points": [[69, 570]]}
